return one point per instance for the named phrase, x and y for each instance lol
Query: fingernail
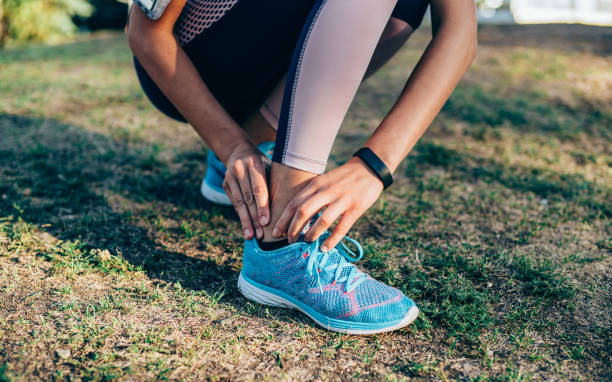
(275, 232)
(324, 248)
(247, 233)
(259, 232)
(263, 220)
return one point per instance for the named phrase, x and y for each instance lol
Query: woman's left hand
(345, 192)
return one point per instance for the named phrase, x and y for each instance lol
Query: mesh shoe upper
(287, 270)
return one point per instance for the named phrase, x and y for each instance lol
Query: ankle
(285, 182)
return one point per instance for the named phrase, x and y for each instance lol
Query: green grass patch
(541, 278)
(112, 266)
(542, 182)
(450, 301)
(528, 111)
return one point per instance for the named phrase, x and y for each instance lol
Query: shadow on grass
(58, 176)
(528, 111)
(571, 188)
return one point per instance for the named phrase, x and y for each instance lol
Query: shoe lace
(318, 261)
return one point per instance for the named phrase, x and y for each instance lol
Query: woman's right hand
(246, 186)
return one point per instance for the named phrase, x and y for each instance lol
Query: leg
(393, 38)
(328, 66)
(261, 126)
(221, 37)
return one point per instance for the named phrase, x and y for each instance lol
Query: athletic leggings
(244, 49)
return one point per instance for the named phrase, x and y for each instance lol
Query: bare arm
(155, 46)
(158, 51)
(444, 62)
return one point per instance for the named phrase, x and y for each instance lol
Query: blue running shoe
(327, 287)
(212, 184)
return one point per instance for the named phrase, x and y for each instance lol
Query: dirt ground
(113, 267)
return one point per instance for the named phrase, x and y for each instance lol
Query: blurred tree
(40, 20)
(109, 14)
(3, 24)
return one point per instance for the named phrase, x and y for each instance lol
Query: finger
(260, 192)
(303, 214)
(344, 225)
(249, 201)
(327, 218)
(235, 194)
(282, 224)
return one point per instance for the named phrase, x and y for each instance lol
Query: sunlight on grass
(498, 225)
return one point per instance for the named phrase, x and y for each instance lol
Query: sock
(272, 245)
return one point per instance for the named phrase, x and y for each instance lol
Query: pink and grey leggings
(299, 62)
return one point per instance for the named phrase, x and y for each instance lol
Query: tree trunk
(3, 25)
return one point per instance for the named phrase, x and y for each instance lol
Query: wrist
(376, 165)
(230, 147)
(364, 170)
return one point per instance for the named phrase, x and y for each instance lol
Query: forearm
(444, 62)
(174, 73)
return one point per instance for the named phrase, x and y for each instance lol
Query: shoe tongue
(334, 257)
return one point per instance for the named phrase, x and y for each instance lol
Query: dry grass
(113, 267)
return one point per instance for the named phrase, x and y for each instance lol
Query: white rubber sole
(264, 297)
(213, 195)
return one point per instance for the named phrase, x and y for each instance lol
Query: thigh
(241, 52)
(407, 16)
(393, 38)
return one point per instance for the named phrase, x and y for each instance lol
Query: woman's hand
(245, 184)
(345, 192)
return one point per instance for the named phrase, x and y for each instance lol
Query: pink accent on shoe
(357, 309)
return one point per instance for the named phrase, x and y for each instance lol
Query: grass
(113, 267)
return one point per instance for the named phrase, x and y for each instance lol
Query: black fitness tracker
(375, 164)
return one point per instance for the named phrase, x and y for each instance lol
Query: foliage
(40, 20)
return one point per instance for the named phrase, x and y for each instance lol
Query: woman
(246, 72)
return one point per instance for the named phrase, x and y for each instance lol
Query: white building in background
(596, 12)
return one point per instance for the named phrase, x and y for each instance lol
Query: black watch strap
(375, 164)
